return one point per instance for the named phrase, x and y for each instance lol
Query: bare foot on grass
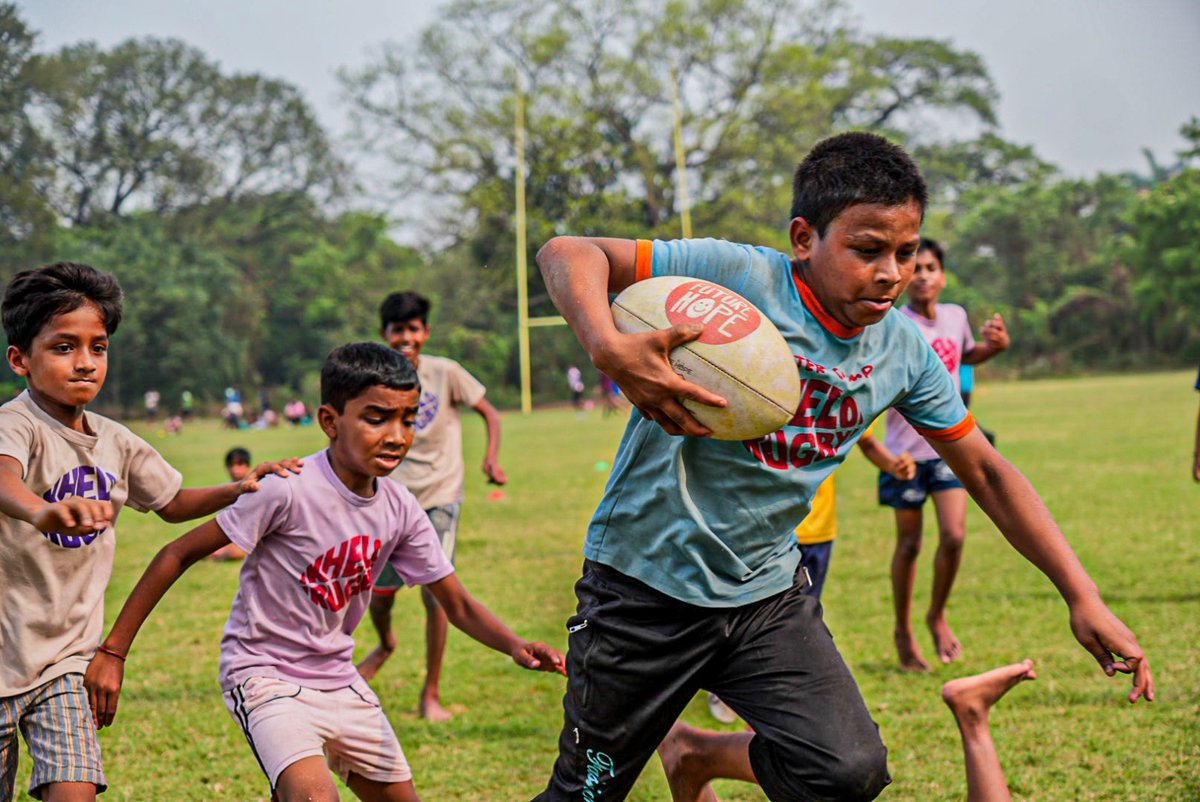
(970, 698)
(948, 647)
(684, 765)
(909, 654)
(374, 661)
(431, 709)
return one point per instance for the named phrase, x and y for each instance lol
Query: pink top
(314, 549)
(949, 334)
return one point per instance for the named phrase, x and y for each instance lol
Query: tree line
(250, 241)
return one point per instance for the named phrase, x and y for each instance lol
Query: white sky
(1087, 82)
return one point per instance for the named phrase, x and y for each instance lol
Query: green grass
(1110, 455)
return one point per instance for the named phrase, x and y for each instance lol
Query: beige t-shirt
(433, 470)
(52, 585)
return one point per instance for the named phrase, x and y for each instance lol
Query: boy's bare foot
(910, 655)
(970, 698)
(684, 765)
(431, 710)
(374, 661)
(228, 553)
(948, 647)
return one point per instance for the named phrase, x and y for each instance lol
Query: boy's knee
(951, 539)
(855, 773)
(858, 775)
(908, 548)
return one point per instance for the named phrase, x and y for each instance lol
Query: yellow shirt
(820, 524)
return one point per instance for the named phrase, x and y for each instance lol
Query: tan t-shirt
(52, 585)
(433, 470)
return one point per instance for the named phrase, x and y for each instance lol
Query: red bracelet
(112, 652)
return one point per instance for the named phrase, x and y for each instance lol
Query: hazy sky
(1087, 82)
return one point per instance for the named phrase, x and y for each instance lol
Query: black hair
(401, 307)
(934, 247)
(238, 454)
(853, 168)
(35, 297)
(351, 369)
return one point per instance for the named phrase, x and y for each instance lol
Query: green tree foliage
(154, 124)
(25, 218)
(1163, 249)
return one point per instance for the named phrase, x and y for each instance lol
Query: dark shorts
(814, 558)
(932, 475)
(636, 658)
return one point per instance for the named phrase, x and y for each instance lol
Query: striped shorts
(59, 731)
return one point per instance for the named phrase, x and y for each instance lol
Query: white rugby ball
(741, 356)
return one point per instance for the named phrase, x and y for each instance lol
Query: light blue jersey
(712, 522)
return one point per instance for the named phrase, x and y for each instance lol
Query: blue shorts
(59, 733)
(932, 475)
(444, 518)
(814, 558)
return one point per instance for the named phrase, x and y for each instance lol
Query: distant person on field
(152, 398)
(1196, 454)
(315, 543)
(296, 412)
(576, 386)
(187, 404)
(237, 464)
(434, 472)
(946, 328)
(608, 395)
(65, 475)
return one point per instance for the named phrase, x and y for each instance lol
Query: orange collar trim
(824, 318)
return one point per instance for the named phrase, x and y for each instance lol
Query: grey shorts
(444, 518)
(59, 733)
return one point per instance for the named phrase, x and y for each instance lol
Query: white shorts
(285, 722)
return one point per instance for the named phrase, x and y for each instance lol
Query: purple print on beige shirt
(85, 481)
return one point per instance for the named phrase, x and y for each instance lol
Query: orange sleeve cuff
(954, 432)
(644, 262)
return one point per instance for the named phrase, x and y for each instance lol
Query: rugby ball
(741, 356)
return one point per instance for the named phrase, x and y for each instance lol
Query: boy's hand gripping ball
(741, 356)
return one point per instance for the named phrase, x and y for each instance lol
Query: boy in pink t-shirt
(947, 330)
(314, 546)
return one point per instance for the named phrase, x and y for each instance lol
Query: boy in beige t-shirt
(433, 472)
(65, 474)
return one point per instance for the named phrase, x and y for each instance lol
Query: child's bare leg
(69, 792)
(376, 791)
(951, 506)
(306, 780)
(692, 758)
(904, 578)
(970, 699)
(436, 626)
(381, 616)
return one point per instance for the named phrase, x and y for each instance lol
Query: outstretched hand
(279, 468)
(74, 516)
(495, 474)
(994, 333)
(537, 656)
(102, 680)
(1113, 645)
(640, 365)
(904, 467)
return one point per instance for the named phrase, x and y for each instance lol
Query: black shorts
(636, 657)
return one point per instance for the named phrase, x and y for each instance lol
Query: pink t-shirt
(949, 334)
(314, 549)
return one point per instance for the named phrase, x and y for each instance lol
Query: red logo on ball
(726, 316)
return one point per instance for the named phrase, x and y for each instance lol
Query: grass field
(1110, 455)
